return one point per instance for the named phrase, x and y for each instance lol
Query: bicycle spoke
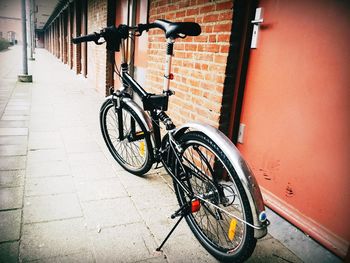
(128, 152)
(200, 164)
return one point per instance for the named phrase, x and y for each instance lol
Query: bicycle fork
(117, 102)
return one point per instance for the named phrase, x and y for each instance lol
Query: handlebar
(91, 37)
(113, 35)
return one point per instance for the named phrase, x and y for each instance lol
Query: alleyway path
(62, 197)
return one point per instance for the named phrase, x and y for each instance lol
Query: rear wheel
(132, 150)
(210, 176)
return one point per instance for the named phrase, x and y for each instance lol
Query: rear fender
(242, 169)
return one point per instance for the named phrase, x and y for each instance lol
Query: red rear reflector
(195, 206)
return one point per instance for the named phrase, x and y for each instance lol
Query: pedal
(157, 166)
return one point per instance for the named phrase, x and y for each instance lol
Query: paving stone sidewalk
(62, 197)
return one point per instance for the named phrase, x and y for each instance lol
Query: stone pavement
(63, 198)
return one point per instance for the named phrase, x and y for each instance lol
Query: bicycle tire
(202, 222)
(134, 156)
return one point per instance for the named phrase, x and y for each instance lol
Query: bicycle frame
(157, 105)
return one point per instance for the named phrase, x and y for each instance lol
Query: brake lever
(99, 43)
(141, 28)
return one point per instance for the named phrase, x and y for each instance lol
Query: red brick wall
(77, 32)
(70, 34)
(97, 19)
(72, 54)
(199, 63)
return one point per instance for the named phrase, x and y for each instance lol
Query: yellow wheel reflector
(232, 229)
(142, 148)
(139, 133)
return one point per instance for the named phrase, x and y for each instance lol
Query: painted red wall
(297, 115)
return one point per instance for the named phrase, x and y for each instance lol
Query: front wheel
(211, 178)
(126, 138)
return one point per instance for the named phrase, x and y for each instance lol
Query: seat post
(167, 71)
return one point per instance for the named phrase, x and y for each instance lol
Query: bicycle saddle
(174, 29)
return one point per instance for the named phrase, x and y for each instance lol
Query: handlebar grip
(91, 37)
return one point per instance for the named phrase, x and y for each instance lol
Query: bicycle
(216, 191)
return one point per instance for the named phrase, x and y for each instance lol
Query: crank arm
(136, 136)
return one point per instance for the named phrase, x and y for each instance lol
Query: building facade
(284, 102)
(10, 21)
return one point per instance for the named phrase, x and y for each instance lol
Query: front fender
(242, 169)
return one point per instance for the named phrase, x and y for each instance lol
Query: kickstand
(182, 212)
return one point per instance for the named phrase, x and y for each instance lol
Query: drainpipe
(24, 77)
(31, 26)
